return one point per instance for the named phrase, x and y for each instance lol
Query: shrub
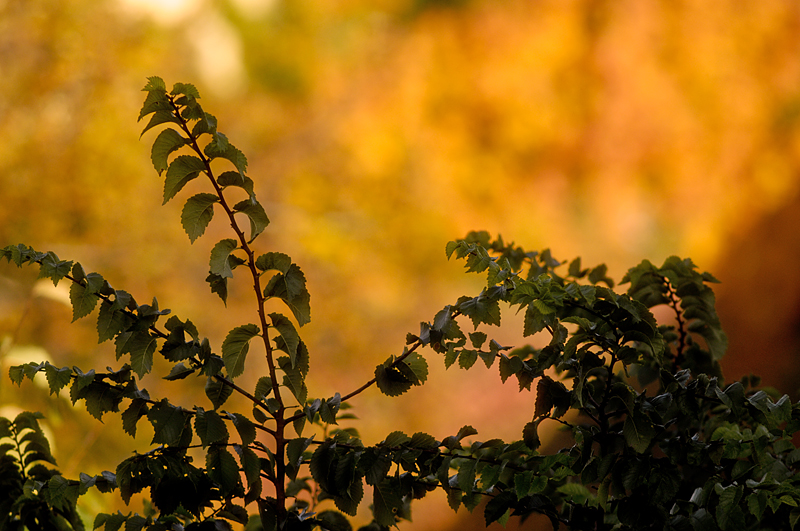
(658, 442)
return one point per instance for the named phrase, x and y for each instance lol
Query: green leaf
(274, 261)
(220, 147)
(263, 388)
(418, 366)
(81, 381)
(197, 214)
(219, 258)
(155, 84)
(251, 464)
(386, 501)
(467, 358)
(130, 417)
(255, 212)
(141, 346)
(222, 469)
(236, 346)
(57, 379)
(729, 513)
(182, 170)
(84, 296)
(291, 287)
(480, 309)
(166, 142)
(53, 268)
(390, 380)
(329, 408)
(178, 372)
(168, 423)
(234, 178)
(293, 379)
(210, 427)
(334, 521)
(163, 115)
(219, 285)
(111, 320)
(155, 101)
(246, 429)
(186, 89)
(217, 391)
(466, 476)
(291, 339)
(638, 432)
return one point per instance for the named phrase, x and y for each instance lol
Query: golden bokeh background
(378, 130)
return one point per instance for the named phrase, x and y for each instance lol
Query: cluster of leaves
(34, 495)
(658, 442)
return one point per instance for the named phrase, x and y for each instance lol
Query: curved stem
(280, 421)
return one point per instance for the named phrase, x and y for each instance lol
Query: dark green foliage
(658, 440)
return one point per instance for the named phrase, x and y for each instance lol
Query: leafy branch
(658, 441)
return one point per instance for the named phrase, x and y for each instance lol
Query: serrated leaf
(181, 170)
(391, 381)
(219, 258)
(466, 476)
(53, 268)
(480, 309)
(290, 336)
(246, 429)
(81, 381)
(210, 427)
(168, 423)
(197, 214)
(274, 261)
(178, 372)
(155, 83)
(220, 147)
(186, 89)
(130, 417)
(166, 142)
(234, 178)
(386, 501)
(256, 214)
(141, 346)
(219, 285)
(162, 116)
(236, 346)
(293, 379)
(418, 366)
(111, 321)
(291, 288)
(467, 358)
(217, 391)
(222, 469)
(83, 300)
(638, 432)
(263, 388)
(251, 464)
(155, 101)
(57, 379)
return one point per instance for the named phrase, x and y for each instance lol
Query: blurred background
(376, 131)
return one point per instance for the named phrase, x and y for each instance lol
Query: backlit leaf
(236, 346)
(255, 213)
(197, 214)
(217, 391)
(165, 143)
(181, 170)
(57, 379)
(210, 427)
(168, 422)
(222, 469)
(219, 263)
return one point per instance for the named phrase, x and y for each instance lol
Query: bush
(658, 442)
